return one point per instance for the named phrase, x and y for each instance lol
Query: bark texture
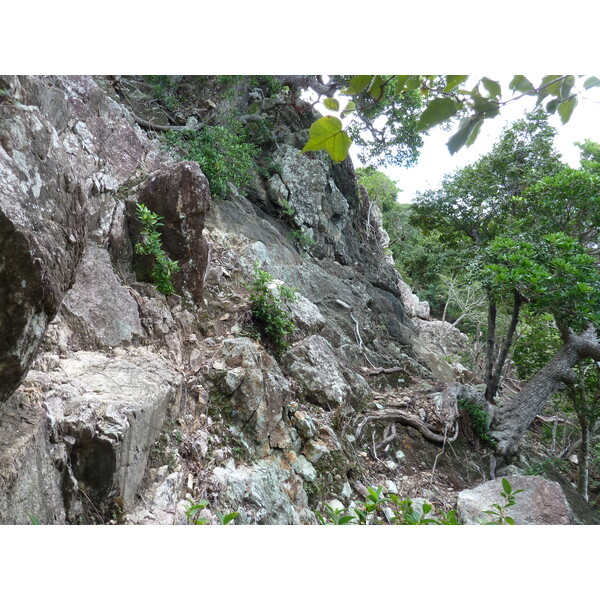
(514, 417)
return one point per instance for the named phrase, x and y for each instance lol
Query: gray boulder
(313, 364)
(541, 503)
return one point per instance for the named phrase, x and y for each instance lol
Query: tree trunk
(515, 415)
(584, 459)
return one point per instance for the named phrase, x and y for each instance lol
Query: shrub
(222, 153)
(266, 304)
(479, 419)
(151, 245)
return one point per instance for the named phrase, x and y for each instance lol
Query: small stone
(400, 456)
(391, 487)
(390, 464)
(225, 317)
(219, 365)
(346, 490)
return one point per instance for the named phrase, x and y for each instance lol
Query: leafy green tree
(445, 99)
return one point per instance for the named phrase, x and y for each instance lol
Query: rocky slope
(120, 404)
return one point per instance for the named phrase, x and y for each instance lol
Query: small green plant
(34, 520)
(266, 298)
(499, 510)
(479, 419)
(195, 507)
(371, 512)
(305, 240)
(223, 154)
(151, 245)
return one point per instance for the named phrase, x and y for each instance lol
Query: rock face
(180, 195)
(254, 395)
(42, 232)
(323, 381)
(542, 503)
(98, 420)
(98, 307)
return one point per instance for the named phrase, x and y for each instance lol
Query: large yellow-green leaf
(331, 104)
(327, 134)
(376, 89)
(437, 111)
(357, 84)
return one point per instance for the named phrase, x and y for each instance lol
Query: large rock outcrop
(43, 217)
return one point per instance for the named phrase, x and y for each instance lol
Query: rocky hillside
(121, 404)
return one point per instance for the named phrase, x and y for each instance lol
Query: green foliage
(151, 245)
(384, 127)
(537, 344)
(34, 520)
(195, 507)
(499, 510)
(163, 88)
(305, 240)
(266, 302)
(445, 99)
(327, 134)
(223, 153)
(479, 419)
(370, 511)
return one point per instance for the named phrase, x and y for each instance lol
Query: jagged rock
(323, 380)
(98, 309)
(42, 233)
(268, 492)
(31, 463)
(95, 419)
(255, 394)
(181, 197)
(542, 503)
(161, 500)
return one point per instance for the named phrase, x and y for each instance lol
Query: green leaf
(565, 109)
(401, 82)
(554, 88)
(474, 133)
(357, 84)
(376, 88)
(326, 134)
(34, 520)
(591, 82)
(346, 519)
(350, 108)
(552, 106)
(437, 111)
(493, 87)
(486, 107)
(453, 81)
(413, 82)
(509, 520)
(466, 134)
(506, 486)
(566, 86)
(331, 104)
(520, 83)
(228, 518)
